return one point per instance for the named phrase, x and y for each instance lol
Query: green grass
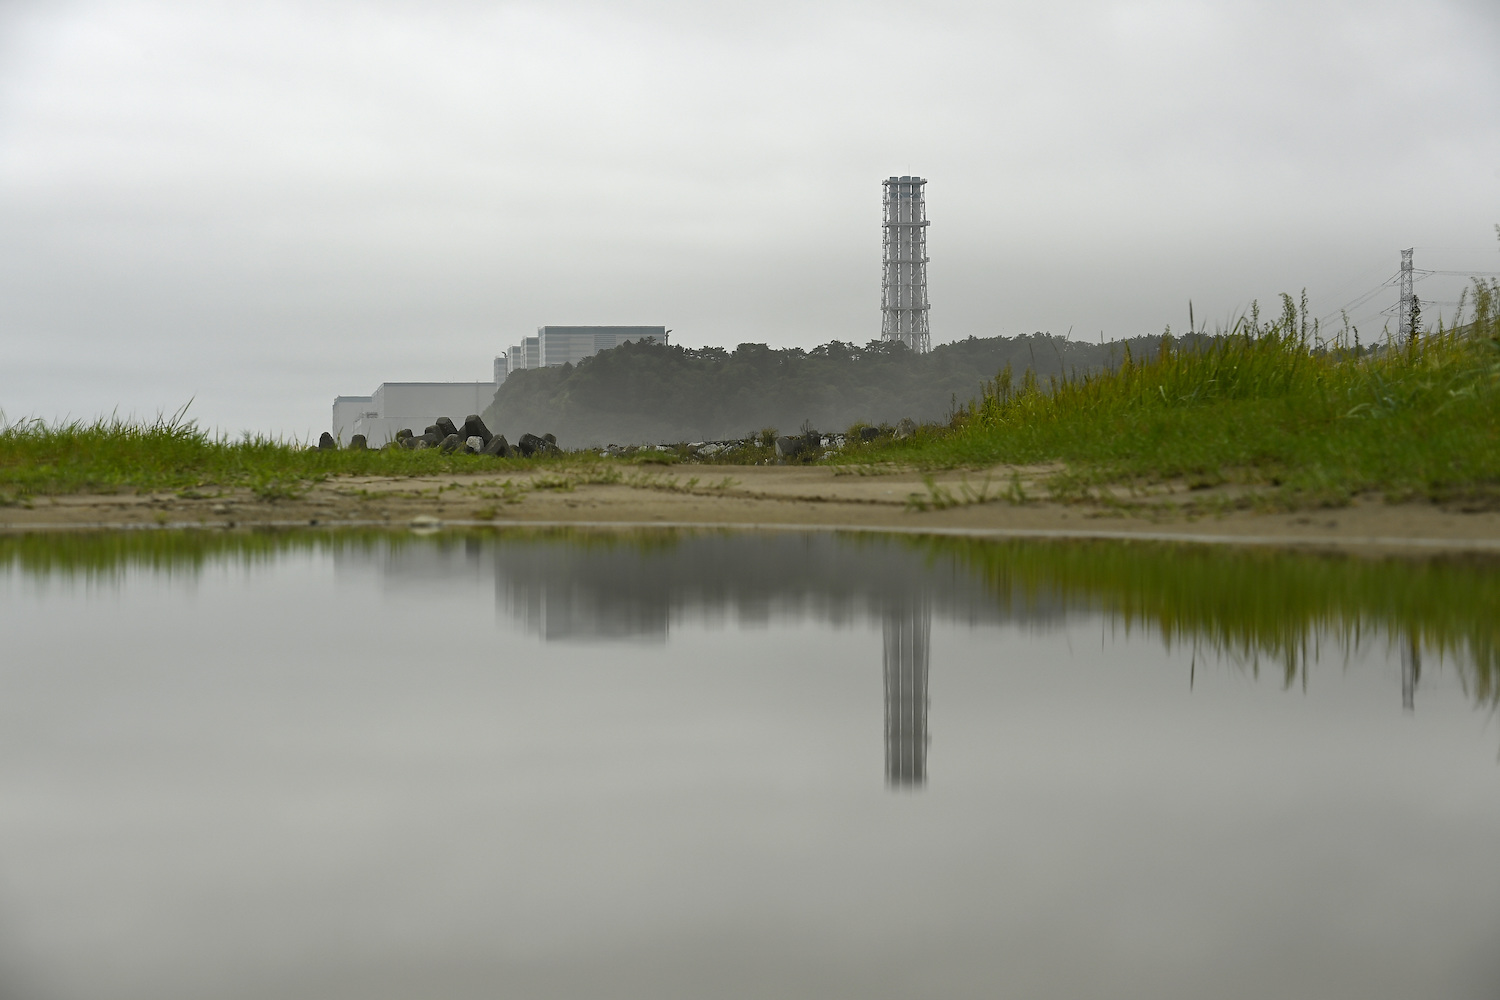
(172, 453)
(1262, 404)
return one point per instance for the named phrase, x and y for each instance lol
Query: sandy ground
(800, 496)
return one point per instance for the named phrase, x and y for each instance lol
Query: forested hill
(646, 392)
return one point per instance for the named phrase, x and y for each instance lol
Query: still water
(658, 765)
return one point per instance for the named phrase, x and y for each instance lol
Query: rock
(498, 447)
(474, 444)
(433, 435)
(869, 433)
(474, 427)
(530, 444)
(550, 438)
(445, 426)
(450, 444)
(710, 450)
(326, 442)
(906, 428)
(357, 443)
(790, 447)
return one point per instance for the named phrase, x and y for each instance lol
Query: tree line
(644, 392)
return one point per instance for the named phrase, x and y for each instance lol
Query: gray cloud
(260, 206)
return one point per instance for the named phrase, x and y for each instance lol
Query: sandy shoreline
(815, 497)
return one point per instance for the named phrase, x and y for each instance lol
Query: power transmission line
(1359, 300)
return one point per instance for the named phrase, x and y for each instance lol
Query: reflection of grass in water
(1255, 604)
(1250, 604)
(109, 553)
(98, 554)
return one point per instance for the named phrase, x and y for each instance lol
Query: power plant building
(348, 411)
(394, 405)
(554, 346)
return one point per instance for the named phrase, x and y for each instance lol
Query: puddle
(692, 764)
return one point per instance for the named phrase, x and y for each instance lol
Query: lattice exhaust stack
(903, 286)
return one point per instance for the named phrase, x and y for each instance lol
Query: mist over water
(659, 764)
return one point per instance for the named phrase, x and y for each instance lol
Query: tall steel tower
(903, 286)
(1403, 318)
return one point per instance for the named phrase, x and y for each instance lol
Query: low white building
(394, 405)
(417, 404)
(347, 410)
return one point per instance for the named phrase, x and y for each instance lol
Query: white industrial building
(347, 410)
(394, 405)
(563, 345)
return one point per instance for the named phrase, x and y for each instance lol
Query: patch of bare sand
(813, 496)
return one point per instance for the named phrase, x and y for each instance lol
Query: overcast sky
(259, 206)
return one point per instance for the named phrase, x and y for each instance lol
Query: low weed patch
(671, 484)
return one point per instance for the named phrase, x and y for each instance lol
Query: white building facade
(348, 410)
(395, 405)
(563, 345)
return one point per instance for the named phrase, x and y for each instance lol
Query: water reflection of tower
(908, 641)
(1411, 673)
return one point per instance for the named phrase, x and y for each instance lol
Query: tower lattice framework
(903, 285)
(1403, 318)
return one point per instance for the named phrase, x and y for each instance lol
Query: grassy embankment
(1316, 421)
(173, 454)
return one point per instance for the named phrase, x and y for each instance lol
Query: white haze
(258, 206)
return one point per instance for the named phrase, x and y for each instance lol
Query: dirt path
(810, 496)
